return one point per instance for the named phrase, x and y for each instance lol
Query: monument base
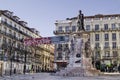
(84, 70)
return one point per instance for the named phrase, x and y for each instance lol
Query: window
(96, 27)
(105, 26)
(106, 36)
(88, 19)
(11, 23)
(113, 44)
(113, 26)
(19, 28)
(5, 20)
(4, 40)
(96, 18)
(115, 54)
(9, 41)
(15, 25)
(14, 34)
(19, 36)
(59, 45)
(66, 45)
(5, 29)
(106, 45)
(97, 45)
(113, 36)
(73, 28)
(105, 18)
(107, 54)
(59, 56)
(119, 25)
(87, 27)
(67, 29)
(60, 29)
(26, 32)
(113, 17)
(97, 54)
(61, 38)
(23, 30)
(96, 37)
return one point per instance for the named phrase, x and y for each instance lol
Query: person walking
(119, 68)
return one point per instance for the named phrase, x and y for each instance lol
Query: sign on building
(46, 40)
(59, 39)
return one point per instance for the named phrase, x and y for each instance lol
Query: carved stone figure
(80, 23)
(87, 49)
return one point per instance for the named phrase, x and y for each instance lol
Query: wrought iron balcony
(109, 57)
(11, 27)
(63, 32)
(59, 58)
(107, 48)
(115, 48)
(67, 58)
(58, 32)
(97, 48)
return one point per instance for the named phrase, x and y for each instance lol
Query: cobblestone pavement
(47, 76)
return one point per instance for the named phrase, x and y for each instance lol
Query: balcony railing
(102, 29)
(10, 35)
(67, 58)
(59, 58)
(11, 27)
(115, 48)
(107, 48)
(58, 32)
(109, 57)
(63, 32)
(98, 48)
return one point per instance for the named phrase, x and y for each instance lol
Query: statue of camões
(80, 23)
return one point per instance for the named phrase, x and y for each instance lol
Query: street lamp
(1, 53)
(93, 55)
(24, 71)
(11, 56)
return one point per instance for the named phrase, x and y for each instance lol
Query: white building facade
(104, 33)
(14, 55)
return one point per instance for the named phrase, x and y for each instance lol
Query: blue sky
(41, 14)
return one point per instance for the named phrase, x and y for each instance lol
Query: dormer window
(60, 29)
(67, 28)
(5, 20)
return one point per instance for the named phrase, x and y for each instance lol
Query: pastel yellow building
(15, 57)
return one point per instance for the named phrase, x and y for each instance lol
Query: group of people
(109, 68)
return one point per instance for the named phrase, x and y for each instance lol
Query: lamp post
(93, 55)
(24, 71)
(11, 56)
(2, 57)
(1, 53)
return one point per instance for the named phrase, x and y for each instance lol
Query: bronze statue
(80, 23)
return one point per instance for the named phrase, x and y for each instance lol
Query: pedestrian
(119, 68)
(14, 70)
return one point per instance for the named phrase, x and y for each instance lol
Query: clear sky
(41, 14)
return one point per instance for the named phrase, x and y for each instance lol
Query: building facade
(15, 57)
(104, 33)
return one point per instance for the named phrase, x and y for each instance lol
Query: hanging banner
(46, 40)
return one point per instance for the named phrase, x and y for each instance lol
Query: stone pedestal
(85, 69)
(80, 63)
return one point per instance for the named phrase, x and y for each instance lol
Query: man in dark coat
(119, 68)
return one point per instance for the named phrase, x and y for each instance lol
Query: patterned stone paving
(47, 76)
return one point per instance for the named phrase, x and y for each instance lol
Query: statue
(87, 49)
(80, 23)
